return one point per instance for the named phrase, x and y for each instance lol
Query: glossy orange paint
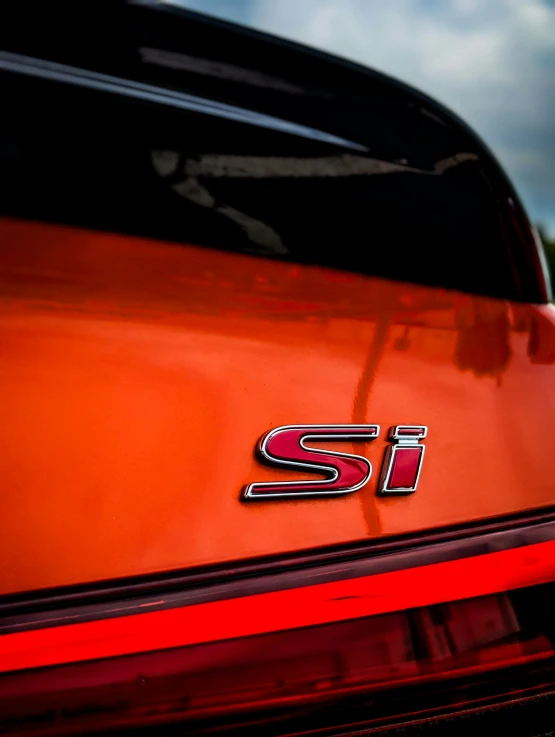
(136, 377)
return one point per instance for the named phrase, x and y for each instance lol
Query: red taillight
(295, 649)
(280, 675)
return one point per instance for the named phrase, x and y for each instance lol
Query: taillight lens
(291, 675)
(304, 651)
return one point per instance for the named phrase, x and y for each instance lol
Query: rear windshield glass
(102, 160)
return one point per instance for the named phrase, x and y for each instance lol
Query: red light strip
(281, 610)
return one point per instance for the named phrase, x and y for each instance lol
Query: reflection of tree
(541, 340)
(484, 344)
(484, 335)
(549, 248)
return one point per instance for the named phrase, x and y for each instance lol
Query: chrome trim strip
(66, 74)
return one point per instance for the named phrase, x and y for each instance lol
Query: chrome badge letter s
(285, 447)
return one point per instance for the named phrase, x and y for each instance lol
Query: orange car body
(208, 235)
(137, 377)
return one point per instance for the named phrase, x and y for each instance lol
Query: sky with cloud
(491, 61)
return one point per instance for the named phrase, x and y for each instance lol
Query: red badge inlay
(403, 460)
(285, 446)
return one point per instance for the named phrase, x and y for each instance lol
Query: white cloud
(491, 61)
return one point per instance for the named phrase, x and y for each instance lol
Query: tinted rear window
(100, 160)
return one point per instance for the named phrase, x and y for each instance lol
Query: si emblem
(296, 447)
